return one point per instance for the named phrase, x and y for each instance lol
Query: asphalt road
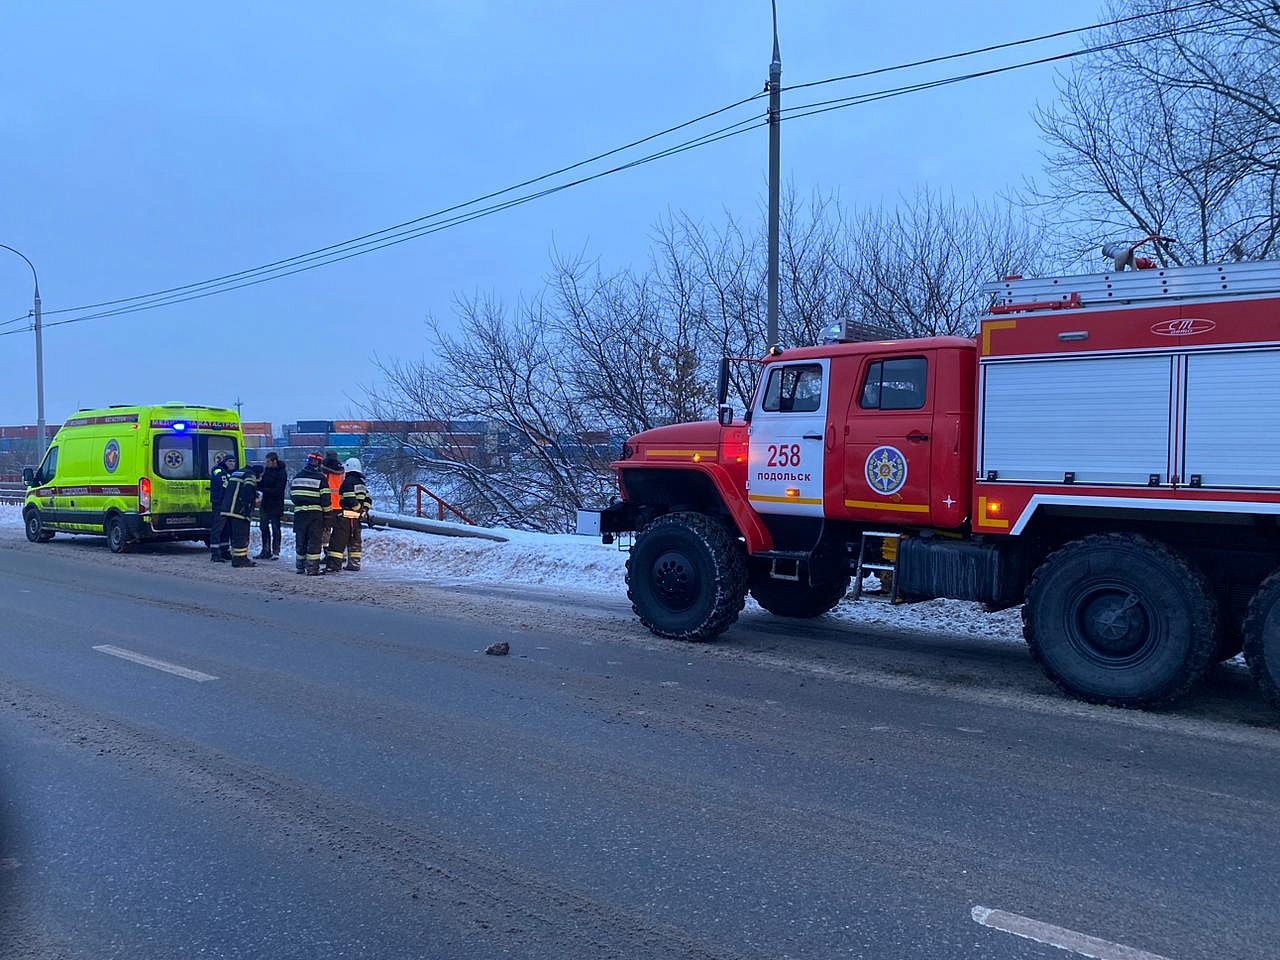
(358, 779)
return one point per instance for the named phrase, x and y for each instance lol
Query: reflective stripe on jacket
(240, 495)
(307, 490)
(355, 495)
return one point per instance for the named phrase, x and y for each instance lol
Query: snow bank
(11, 515)
(584, 565)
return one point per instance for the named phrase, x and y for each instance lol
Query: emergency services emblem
(111, 456)
(886, 470)
(173, 459)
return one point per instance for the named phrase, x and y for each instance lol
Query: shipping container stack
(22, 438)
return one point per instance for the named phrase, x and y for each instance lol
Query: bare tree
(507, 372)
(1172, 132)
(920, 268)
(393, 463)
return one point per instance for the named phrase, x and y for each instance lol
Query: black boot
(226, 553)
(242, 562)
(263, 554)
(216, 557)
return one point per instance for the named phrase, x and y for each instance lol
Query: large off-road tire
(687, 576)
(36, 532)
(1119, 619)
(117, 536)
(790, 598)
(1262, 637)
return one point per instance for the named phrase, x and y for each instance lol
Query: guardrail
(443, 507)
(12, 492)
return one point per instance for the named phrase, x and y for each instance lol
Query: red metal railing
(443, 507)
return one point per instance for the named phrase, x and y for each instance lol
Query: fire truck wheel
(117, 539)
(36, 532)
(1262, 637)
(687, 576)
(787, 598)
(1121, 620)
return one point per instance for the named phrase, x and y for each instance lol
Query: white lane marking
(1070, 940)
(155, 664)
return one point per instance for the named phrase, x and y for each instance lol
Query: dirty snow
(584, 565)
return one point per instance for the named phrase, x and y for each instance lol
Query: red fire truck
(1104, 451)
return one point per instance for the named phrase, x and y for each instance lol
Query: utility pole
(238, 405)
(775, 165)
(42, 441)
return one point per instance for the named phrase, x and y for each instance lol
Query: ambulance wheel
(1262, 637)
(1121, 620)
(789, 598)
(687, 576)
(36, 532)
(117, 538)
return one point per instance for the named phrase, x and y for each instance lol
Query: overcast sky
(147, 145)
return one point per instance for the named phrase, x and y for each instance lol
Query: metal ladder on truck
(1226, 281)
(885, 553)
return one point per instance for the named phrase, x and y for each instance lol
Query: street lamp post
(775, 124)
(42, 441)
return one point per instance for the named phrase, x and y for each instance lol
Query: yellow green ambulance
(131, 474)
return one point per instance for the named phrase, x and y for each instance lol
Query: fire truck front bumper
(618, 517)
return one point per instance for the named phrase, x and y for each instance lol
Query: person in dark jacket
(275, 478)
(220, 533)
(309, 492)
(237, 509)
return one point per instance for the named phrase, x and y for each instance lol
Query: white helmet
(353, 466)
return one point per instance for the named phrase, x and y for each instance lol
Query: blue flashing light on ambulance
(131, 474)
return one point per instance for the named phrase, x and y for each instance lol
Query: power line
(226, 279)
(823, 106)
(1057, 34)
(378, 240)
(742, 126)
(428, 216)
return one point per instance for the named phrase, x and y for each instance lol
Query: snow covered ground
(584, 565)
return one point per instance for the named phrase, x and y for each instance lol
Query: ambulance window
(215, 448)
(898, 384)
(48, 469)
(175, 457)
(794, 389)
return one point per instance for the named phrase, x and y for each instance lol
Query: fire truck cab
(1102, 451)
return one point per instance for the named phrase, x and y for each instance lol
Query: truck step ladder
(786, 564)
(886, 561)
(1225, 281)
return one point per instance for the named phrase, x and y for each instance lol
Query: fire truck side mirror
(722, 385)
(725, 415)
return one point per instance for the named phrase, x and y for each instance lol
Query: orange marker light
(793, 491)
(994, 507)
(697, 458)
